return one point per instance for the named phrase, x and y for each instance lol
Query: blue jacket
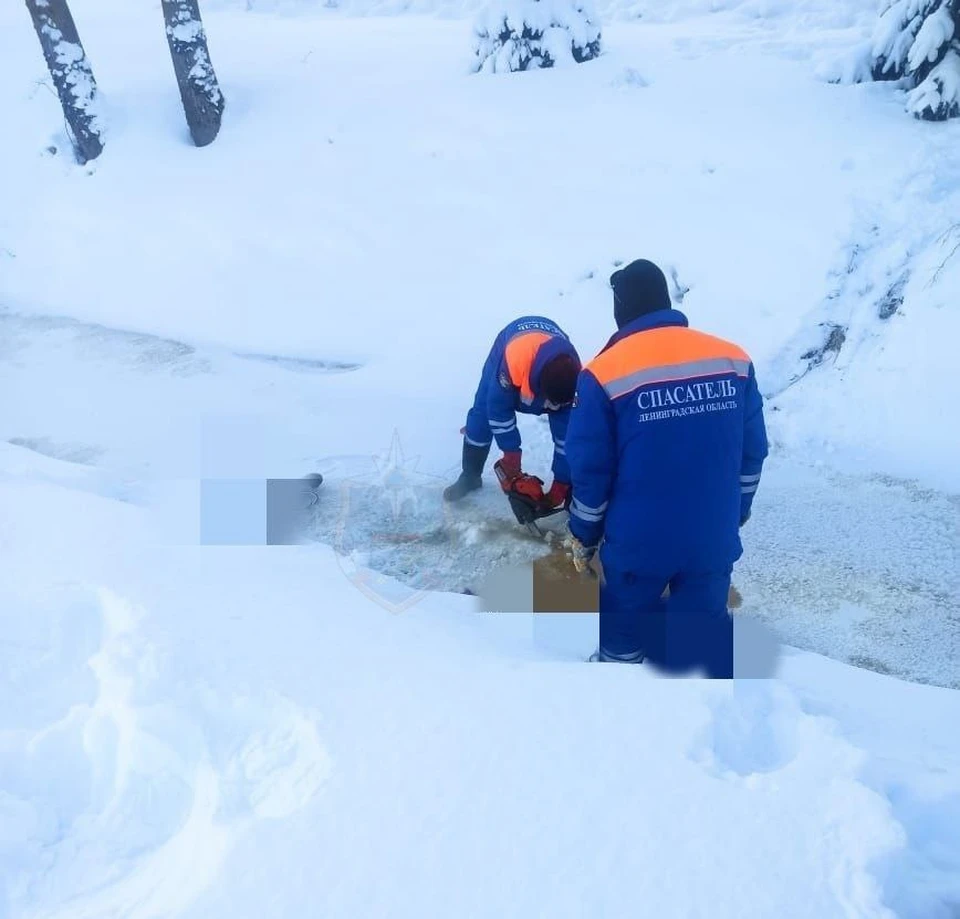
(510, 383)
(666, 444)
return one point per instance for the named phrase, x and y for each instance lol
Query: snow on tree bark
(71, 73)
(512, 35)
(919, 41)
(203, 102)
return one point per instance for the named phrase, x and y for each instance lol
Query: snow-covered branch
(512, 35)
(918, 41)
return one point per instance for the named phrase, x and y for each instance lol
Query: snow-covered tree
(512, 35)
(202, 100)
(71, 73)
(919, 41)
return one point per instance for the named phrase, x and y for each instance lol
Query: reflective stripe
(591, 510)
(476, 443)
(688, 370)
(559, 450)
(749, 479)
(588, 514)
(498, 431)
(502, 424)
(748, 489)
(560, 443)
(666, 346)
(587, 518)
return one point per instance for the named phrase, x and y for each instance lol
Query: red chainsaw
(527, 499)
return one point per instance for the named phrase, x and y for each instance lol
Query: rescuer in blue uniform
(532, 368)
(666, 445)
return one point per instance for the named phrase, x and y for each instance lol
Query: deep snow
(236, 731)
(197, 731)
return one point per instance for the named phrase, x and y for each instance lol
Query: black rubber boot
(470, 479)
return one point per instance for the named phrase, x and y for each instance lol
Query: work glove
(508, 471)
(558, 496)
(510, 464)
(582, 555)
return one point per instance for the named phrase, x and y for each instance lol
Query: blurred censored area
(254, 512)
(278, 512)
(676, 644)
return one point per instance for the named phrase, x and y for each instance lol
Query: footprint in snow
(153, 780)
(753, 731)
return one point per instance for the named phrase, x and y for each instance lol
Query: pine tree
(71, 73)
(203, 102)
(513, 35)
(919, 41)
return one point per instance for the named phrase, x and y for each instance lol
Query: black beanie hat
(638, 289)
(558, 379)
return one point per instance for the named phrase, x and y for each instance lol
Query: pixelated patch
(505, 381)
(576, 399)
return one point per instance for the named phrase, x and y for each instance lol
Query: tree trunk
(202, 100)
(71, 74)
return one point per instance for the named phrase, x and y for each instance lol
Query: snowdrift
(229, 732)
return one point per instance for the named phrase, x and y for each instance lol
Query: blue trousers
(691, 629)
(477, 428)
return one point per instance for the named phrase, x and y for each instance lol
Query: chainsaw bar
(528, 513)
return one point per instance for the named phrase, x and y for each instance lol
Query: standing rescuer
(532, 368)
(666, 444)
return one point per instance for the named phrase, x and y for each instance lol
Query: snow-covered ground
(213, 731)
(203, 731)
(866, 569)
